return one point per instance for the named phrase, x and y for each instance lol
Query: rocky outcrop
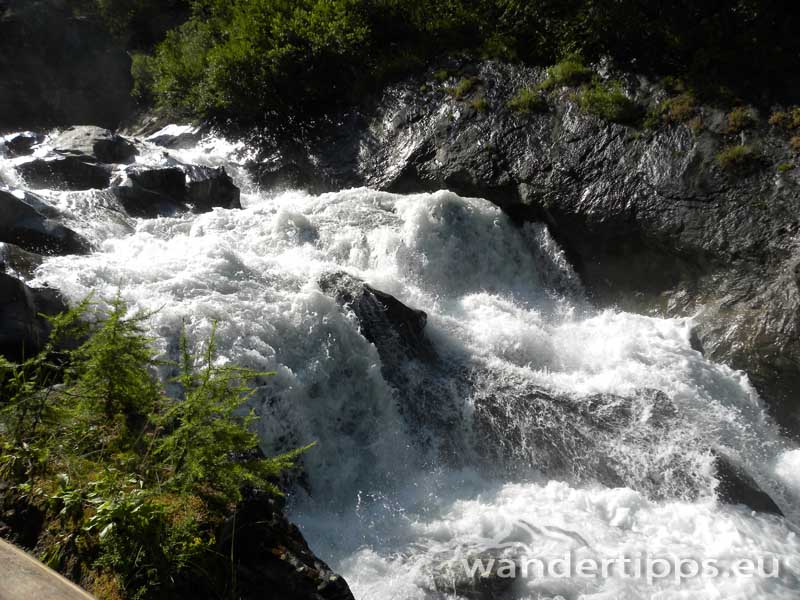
(23, 331)
(31, 224)
(58, 69)
(649, 218)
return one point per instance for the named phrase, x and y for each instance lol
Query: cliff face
(58, 69)
(650, 218)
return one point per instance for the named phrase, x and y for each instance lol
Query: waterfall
(531, 420)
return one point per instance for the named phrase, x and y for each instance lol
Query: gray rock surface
(94, 144)
(23, 332)
(32, 225)
(65, 172)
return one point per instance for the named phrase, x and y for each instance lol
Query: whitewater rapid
(384, 508)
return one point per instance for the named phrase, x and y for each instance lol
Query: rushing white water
(565, 393)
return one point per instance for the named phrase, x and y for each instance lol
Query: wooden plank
(22, 577)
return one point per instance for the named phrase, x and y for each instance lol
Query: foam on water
(503, 304)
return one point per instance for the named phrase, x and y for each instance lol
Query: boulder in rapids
(31, 224)
(385, 321)
(736, 486)
(209, 187)
(16, 261)
(148, 192)
(65, 172)
(152, 192)
(95, 144)
(23, 331)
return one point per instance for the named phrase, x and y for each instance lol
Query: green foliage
(480, 104)
(464, 87)
(441, 75)
(784, 167)
(568, 72)
(610, 103)
(794, 144)
(739, 159)
(133, 483)
(251, 60)
(528, 100)
(740, 118)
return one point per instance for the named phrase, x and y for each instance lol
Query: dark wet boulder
(23, 331)
(65, 172)
(95, 144)
(152, 192)
(148, 192)
(736, 486)
(271, 559)
(392, 326)
(209, 187)
(31, 224)
(169, 181)
(16, 261)
(21, 144)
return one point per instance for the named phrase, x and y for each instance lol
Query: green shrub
(786, 119)
(740, 118)
(784, 167)
(464, 87)
(528, 100)
(570, 71)
(132, 483)
(609, 103)
(679, 109)
(740, 159)
(480, 104)
(441, 75)
(267, 59)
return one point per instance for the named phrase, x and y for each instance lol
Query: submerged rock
(95, 144)
(31, 224)
(67, 172)
(23, 331)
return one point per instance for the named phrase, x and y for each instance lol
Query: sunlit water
(391, 502)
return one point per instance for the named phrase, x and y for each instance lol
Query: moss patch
(528, 100)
